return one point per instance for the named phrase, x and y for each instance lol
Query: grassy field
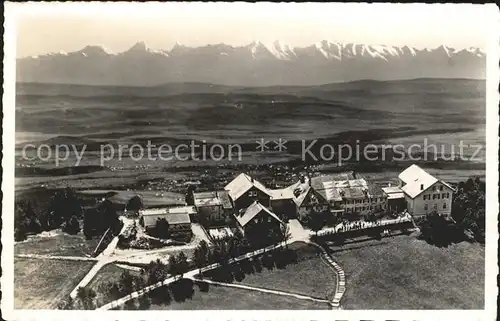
(58, 244)
(41, 284)
(216, 297)
(309, 276)
(149, 198)
(406, 273)
(223, 298)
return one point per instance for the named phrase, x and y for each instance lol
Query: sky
(53, 27)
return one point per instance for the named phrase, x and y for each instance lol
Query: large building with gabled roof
(425, 193)
(244, 190)
(307, 200)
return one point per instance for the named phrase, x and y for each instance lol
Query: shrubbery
(63, 209)
(468, 208)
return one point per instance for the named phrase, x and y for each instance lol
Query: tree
(285, 234)
(19, 234)
(200, 256)
(156, 271)
(144, 302)
(223, 253)
(172, 265)
(199, 259)
(25, 220)
(67, 304)
(85, 297)
(203, 247)
(89, 222)
(126, 283)
(436, 230)
(468, 208)
(182, 264)
(135, 204)
(72, 226)
(234, 248)
(316, 222)
(110, 290)
(189, 195)
(108, 217)
(63, 205)
(161, 228)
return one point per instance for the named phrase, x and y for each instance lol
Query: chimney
(251, 179)
(302, 179)
(421, 187)
(389, 185)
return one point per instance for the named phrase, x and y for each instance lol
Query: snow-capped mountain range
(256, 64)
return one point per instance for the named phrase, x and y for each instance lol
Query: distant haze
(54, 27)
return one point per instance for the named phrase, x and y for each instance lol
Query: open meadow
(403, 272)
(42, 283)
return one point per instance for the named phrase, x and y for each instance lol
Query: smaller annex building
(178, 218)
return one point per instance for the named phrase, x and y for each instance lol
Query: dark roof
(253, 210)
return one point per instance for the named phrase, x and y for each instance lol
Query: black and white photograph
(311, 160)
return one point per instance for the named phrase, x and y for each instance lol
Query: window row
(436, 196)
(426, 206)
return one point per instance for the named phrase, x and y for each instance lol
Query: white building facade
(425, 193)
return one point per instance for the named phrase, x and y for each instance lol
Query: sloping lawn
(223, 298)
(41, 284)
(58, 243)
(406, 273)
(309, 276)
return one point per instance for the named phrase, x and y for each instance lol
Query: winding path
(102, 259)
(298, 234)
(189, 274)
(339, 273)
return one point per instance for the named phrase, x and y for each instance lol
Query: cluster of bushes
(182, 236)
(162, 230)
(33, 215)
(181, 289)
(146, 243)
(97, 220)
(469, 206)
(278, 259)
(154, 272)
(127, 236)
(435, 229)
(317, 221)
